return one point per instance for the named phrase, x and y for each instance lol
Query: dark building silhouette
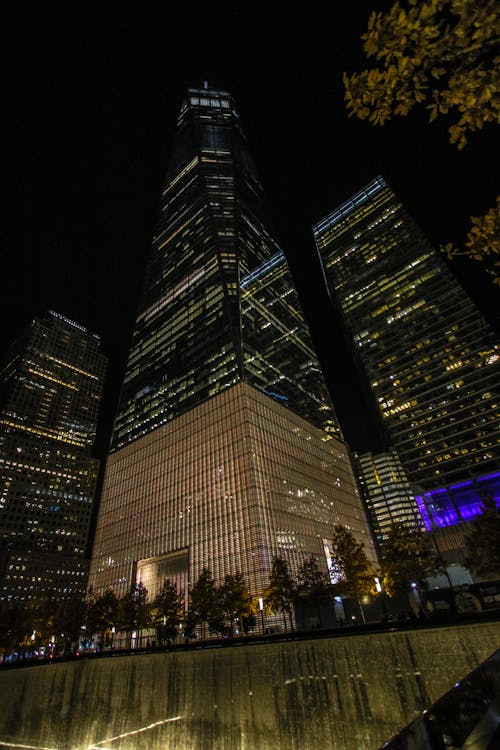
(431, 360)
(226, 449)
(50, 392)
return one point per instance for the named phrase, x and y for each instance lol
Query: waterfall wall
(340, 692)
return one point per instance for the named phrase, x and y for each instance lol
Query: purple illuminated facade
(431, 362)
(459, 502)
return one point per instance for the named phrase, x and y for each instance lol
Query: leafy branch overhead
(483, 242)
(444, 54)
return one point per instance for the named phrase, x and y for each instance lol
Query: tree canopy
(483, 242)
(134, 609)
(167, 611)
(235, 600)
(15, 625)
(444, 54)
(354, 573)
(482, 545)
(406, 558)
(203, 601)
(313, 586)
(280, 593)
(101, 613)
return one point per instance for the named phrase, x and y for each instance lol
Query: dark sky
(87, 129)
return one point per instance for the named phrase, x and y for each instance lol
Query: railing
(254, 639)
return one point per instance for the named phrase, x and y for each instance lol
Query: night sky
(87, 131)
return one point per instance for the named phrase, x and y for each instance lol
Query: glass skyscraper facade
(386, 491)
(226, 448)
(218, 304)
(50, 392)
(432, 361)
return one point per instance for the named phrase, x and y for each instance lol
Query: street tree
(134, 611)
(101, 614)
(313, 585)
(203, 601)
(235, 601)
(69, 618)
(353, 572)
(217, 613)
(167, 611)
(482, 543)
(406, 558)
(42, 613)
(280, 594)
(16, 626)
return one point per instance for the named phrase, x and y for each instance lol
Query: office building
(50, 391)
(226, 449)
(386, 491)
(431, 360)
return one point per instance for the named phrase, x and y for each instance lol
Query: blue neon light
(275, 260)
(275, 395)
(375, 186)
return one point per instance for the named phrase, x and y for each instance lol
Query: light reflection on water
(100, 745)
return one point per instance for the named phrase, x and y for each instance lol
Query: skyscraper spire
(218, 304)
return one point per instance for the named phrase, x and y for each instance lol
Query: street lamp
(379, 589)
(261, 607)
(82, 642)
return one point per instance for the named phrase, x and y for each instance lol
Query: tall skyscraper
(50, 391)
(386, 491)
(431, 360)
(226, 449)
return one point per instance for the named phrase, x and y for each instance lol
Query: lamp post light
(380, 590)
(261, 607)
(82, 644)
(417, 593)
(162, 632)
